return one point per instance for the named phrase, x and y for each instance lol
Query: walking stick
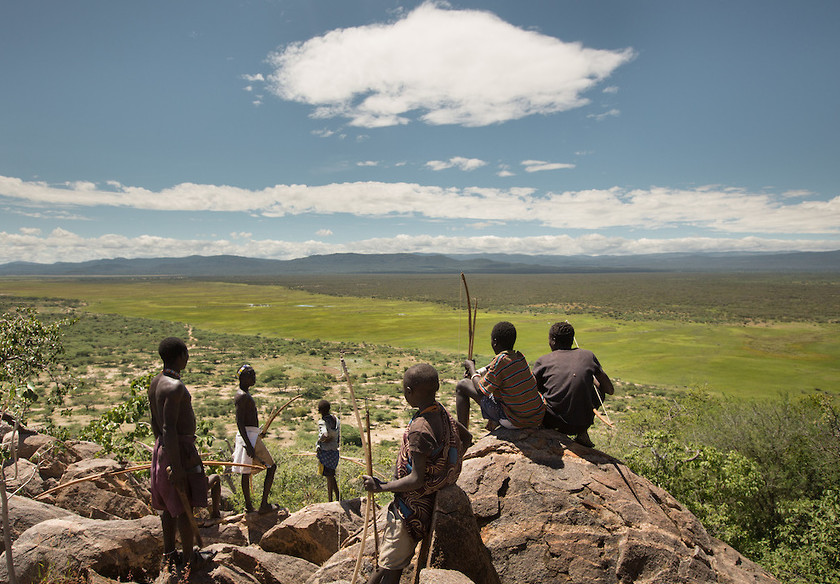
(369, 464)
(369, 460)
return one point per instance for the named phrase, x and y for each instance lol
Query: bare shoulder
(243, 398)
(167, 387)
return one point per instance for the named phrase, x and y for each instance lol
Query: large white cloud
(715, 209)
(463, 67)
(64, 245)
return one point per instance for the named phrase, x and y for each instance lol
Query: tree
(29, 352)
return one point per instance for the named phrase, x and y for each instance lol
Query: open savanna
(749, 336)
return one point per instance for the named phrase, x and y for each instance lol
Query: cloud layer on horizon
(713, 208)
(61, 245)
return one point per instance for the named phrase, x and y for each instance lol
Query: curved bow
(472, 311)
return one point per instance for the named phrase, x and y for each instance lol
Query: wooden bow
(472, 311)
(606, 417)
(273, 415)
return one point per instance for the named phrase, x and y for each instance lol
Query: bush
(808, 549)
(762, 476)
(350, 435)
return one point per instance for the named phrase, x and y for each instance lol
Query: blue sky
(282, 129)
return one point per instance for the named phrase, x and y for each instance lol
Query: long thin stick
(185, 503)
(373, 497)
(369, 506)
(353, 460)
(139, 467)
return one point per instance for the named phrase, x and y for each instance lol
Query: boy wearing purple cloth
(176, 465)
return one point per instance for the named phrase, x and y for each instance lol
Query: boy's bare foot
(268, 508)
(584, 440)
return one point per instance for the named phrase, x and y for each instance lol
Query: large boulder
(119, 549)
(438, 576)
(551, 510)
(315, 532)
(106, 497)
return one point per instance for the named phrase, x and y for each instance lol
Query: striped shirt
(509, 379)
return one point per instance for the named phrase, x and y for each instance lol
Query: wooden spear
(369, 506)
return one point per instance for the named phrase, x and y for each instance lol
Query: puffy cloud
(324, 232)
(465, 67)
(63, 245)
(717, 209)
(465, 164)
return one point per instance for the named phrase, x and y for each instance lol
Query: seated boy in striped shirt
(505, 390)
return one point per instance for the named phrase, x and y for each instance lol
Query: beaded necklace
(171, 373)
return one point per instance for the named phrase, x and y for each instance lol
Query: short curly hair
(562, 333)
(171, 348)
(324, 407)
(504, 333)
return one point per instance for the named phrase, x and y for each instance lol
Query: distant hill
(225, 265)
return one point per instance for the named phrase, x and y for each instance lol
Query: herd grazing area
(658, 336)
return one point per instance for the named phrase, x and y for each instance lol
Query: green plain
(744, 359)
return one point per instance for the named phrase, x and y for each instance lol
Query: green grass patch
(745, 359)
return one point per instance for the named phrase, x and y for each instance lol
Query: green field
(751, 355)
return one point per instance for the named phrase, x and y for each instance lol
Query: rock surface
(551, 510)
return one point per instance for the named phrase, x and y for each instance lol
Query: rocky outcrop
(551, 510)
(530, 506)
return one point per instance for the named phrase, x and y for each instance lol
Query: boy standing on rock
(178, 481)
(429, 459)
(505, 390)
(249, 445)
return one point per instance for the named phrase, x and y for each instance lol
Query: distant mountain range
(350, 263)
